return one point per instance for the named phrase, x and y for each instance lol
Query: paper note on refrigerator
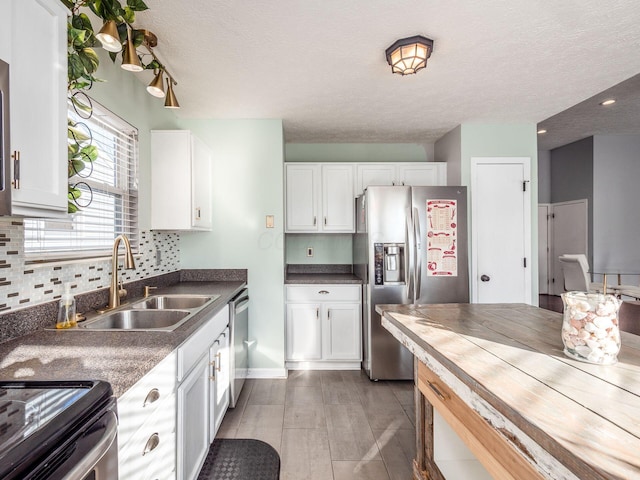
(442, 232)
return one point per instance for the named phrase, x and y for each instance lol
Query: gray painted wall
(572, 179)
(544, 176)
(449, 149)
(616, 197)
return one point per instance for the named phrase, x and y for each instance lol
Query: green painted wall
(328, 248)
(358, 152)
(247, 185)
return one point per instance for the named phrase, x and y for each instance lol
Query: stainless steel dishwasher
(239, 342)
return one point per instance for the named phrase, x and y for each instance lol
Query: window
(112, 187)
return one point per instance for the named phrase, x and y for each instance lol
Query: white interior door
(568, 235)
(544, 215)
(501, 230)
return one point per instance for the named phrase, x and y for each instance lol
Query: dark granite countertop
(315, 274)
(119, 357)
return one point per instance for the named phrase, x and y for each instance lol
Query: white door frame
(526, 163)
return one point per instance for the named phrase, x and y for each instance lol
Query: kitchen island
(498, 376)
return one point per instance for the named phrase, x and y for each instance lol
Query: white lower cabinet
(304, 332)
(193, 415)
(218, 382)
(200, 406)
(323, 326)
(168, 419)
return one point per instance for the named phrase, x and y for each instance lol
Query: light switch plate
(270, 221)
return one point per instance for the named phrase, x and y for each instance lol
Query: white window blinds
(110, 184)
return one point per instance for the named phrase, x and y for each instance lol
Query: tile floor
(329, 425)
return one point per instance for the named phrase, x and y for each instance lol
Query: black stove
(47, 427)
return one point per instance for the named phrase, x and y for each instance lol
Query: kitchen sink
(174, 302)
(138, 320)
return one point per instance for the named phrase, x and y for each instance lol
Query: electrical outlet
(270, 221)
(309, 251)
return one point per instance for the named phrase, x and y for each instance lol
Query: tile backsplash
(23, 285)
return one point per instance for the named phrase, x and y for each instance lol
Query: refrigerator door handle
(418, 259)
(408, 257)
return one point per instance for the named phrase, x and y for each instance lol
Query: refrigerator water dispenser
(394, 264)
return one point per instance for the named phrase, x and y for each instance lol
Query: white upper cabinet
(410, 174)
(38, 106)
(374, 174)
(302, 197)
(319, 197)
(338, 200)
(180, 181)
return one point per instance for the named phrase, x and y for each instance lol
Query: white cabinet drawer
(323, 293)
(198, 343)
(152, 448)
(138, 403)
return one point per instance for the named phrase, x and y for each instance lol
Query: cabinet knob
(152, 443)
(152, 396)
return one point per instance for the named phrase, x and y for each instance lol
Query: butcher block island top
(564, 419)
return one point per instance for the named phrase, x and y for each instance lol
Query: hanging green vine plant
(82, 64)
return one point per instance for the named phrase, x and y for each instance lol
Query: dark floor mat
(240, 459)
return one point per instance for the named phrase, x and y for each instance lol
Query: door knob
(485, 278)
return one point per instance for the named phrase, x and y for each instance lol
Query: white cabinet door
(180, 181)
(302, 197)
(341, 331)
(201, 185)
(39, 108)
(420, 174)
(374, 174)
(338, 200)
(193, 420)
(304, 337)
(219, 382)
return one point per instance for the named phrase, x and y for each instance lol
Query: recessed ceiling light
(541, 131)
(610, 101)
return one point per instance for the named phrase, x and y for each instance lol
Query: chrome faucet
(114, 290)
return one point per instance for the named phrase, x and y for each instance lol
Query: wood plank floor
(329, 425)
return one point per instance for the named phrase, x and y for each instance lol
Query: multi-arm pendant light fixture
(110, 40)
(409, 55)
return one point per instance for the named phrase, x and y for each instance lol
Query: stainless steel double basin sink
(154, 313)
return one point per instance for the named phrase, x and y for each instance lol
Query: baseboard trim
(323, 365)
(267, 373)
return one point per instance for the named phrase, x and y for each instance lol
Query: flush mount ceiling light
(109, 37)
(409, 55)
(609, 101)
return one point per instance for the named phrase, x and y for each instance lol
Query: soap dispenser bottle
(67, 309)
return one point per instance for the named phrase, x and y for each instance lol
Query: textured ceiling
(320, 65)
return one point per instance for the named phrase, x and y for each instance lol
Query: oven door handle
(84, 466)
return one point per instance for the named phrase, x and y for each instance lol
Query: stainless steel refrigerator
(410, 247)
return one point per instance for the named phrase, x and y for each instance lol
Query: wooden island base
(501, 458)
(495, 383)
